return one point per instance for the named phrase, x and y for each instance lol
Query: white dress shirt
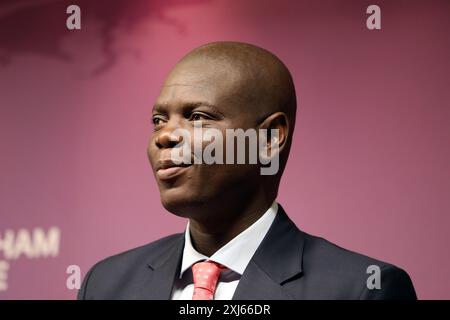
(235, 255)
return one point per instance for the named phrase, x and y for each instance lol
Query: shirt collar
(237, 253)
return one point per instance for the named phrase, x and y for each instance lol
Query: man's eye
(157, 121)
(199, 116)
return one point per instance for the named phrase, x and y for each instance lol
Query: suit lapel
(162, 272)
(255, 284)
(278, 260)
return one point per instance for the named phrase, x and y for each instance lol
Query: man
(238, 243)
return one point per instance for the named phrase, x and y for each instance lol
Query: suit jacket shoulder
(347, 273)
(116, 276)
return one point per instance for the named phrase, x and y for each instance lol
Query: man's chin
(181, 205)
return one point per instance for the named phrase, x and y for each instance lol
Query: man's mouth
(167, 169)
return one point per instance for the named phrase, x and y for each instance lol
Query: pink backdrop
(369, 167)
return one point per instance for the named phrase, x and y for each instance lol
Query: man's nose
(167, 139)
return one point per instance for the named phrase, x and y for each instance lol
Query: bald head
(256, 77)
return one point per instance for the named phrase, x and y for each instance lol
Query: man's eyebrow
(193, 105)
(163, 107)
(160, 107)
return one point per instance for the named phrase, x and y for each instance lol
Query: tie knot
(206, 275)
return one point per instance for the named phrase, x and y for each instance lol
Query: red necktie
(206, 275)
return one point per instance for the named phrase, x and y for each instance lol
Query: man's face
(212, 93)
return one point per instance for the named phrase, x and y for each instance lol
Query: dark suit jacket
(289, 264)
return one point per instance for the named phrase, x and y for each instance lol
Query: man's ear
(278, 121)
